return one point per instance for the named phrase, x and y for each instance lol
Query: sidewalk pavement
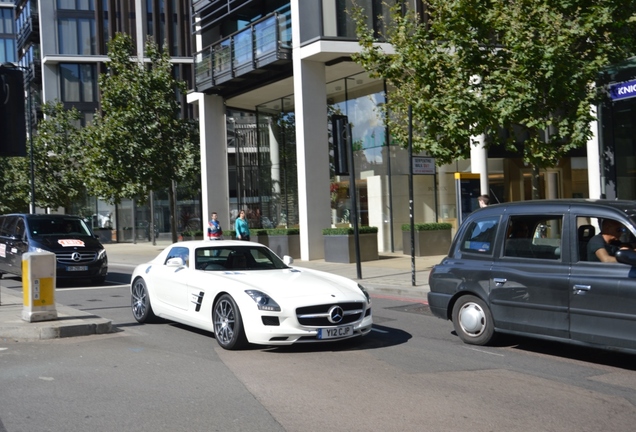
(390, 276)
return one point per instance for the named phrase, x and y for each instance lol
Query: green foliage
(259, 232)
(432, 226)
(15, 185)
(522, 71)
(138, 143)
(349, 230)
(58, 162)
(58, 157)
(282, 231)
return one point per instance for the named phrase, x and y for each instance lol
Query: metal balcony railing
(264, 43)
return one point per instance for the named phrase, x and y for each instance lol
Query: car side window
(479, 237)
(588, 229)
(534, 236)
(179, 252)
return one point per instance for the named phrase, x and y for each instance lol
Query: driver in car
(604, 245)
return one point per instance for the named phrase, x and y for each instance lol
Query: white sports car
(244, 293)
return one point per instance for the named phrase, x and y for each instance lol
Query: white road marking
(95, 288)
(485, 352)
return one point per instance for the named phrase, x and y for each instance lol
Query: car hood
(66, 243)
(297, 283)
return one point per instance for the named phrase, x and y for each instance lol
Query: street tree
(14, 185)
(518, 71)
(139, 143)
(57, 167)
(58, 157)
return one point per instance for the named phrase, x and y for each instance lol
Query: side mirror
(626, 256)
(288, 260)
(175, 262)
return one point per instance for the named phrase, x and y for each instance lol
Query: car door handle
(581, 289)
(499, 281)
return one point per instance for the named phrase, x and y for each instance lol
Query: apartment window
(6, 21)
(7, 50)
(76, 4)
(78, 82)
(77, 35)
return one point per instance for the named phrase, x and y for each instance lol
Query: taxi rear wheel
(473, 321)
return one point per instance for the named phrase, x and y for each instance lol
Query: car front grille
(318, 316)
(66, 258)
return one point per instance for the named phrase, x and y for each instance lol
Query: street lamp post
(30, 126)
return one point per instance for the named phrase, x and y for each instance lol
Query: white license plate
(336, 332)
(76, 268)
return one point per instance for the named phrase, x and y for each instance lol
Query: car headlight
(101, 254)
(36, 249)
(366, 294)
(263, 301)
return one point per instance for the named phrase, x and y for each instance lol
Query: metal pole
(411, 210)
(354, 200)
(31, 151)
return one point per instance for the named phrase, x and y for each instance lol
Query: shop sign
(624, 90)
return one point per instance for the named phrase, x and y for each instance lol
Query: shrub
(349, 230)
(282, 231)
(432, 226)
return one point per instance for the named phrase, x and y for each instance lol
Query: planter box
(285, 245)
(427, 243)
(342, 249)
(106, 236)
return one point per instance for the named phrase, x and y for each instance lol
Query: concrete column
(141, 24)
(274, 156)
(310, 100)
(479, 162)
(594, 159)
(214, 168)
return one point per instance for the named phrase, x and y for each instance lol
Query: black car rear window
(480, 235)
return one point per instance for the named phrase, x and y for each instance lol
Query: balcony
(247, 57)
(28, 30)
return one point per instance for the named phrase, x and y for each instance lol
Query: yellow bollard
(38, 286)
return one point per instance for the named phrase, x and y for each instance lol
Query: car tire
(140, 302)
(473, 321)
(228, 324)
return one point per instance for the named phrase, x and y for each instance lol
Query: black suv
(526, 268)
(78, 253)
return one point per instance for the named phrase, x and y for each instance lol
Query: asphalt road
(410, 374)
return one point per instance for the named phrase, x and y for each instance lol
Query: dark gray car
(523, 268)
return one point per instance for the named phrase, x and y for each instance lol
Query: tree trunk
(173, 209)
(536, 193)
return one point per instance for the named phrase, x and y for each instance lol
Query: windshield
(72, 227)
(237, 258)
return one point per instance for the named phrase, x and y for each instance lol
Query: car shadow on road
(566, 351)
(379, 337)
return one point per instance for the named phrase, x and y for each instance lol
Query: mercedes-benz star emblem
(76, 256)
(335, 314)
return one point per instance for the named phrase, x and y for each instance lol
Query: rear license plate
(336, 332)
(76, 268)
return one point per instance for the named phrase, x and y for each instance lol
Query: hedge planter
(340, 244)
(106, 235)
(284, 241)
(430, 239)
